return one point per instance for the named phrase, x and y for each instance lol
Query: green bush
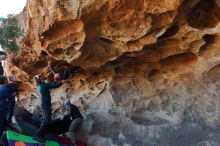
(9, 32)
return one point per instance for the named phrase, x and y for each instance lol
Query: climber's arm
(50, 68)
(55, 84)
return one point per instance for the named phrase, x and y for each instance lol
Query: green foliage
(9, 32)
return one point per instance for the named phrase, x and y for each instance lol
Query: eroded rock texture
(150, 68)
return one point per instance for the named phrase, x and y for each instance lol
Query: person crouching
(76, 118)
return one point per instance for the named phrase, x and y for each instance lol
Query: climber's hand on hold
(49, 67)
(57, 77)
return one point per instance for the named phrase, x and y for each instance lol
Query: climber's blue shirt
(5, 96)
(44, 91)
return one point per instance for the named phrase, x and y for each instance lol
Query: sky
(11, 7)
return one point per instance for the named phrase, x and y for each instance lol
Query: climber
(3, 56)
(5, 95)
(14, 88)
(45, 103)
(68, 71)
(76, 119)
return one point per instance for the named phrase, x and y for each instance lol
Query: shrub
(9, 32)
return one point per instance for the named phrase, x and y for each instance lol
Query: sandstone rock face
(150, 68)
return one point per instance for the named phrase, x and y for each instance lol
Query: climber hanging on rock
(45, 102)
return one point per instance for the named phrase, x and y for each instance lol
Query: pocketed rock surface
(149, 74)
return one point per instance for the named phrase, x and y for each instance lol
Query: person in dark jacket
(12, 85)
(45, 103)
(5, 95)
(76, 118)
